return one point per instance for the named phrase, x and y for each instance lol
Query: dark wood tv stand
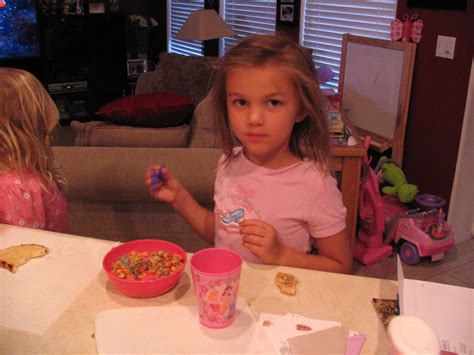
(84, 61)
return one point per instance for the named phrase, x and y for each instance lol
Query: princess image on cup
(219, 307)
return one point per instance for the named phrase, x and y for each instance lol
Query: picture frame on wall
(135, 67)
(287, 13)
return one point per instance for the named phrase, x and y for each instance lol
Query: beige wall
(461, 213)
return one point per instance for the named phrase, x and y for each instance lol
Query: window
(178, 13)
(325, 21)
(247, 18)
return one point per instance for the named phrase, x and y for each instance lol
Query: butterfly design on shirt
(234, 216)
(230, 219)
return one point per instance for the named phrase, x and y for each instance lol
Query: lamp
(204, 25)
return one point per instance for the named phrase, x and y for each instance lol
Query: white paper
(176, 329)
(279, 328)
(447, 309)
(457, 347)
(34, 297)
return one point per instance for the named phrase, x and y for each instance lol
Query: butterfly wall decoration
(409, 28)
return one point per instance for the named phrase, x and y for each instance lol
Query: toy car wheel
(430, 201)
(409, 253)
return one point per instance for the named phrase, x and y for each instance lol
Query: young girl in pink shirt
(30, 189)
(274, 193)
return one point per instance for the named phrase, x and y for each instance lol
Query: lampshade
(203, 25)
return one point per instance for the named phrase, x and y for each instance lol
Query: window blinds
(325, 21)
(178, 13)
(247, 18)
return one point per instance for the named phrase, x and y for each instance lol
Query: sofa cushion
(104, 134)
(203, 131)
(185, 75)
(149, 110)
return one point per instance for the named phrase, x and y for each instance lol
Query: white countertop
(320, 295)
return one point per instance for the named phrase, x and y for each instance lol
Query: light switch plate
(445, 47)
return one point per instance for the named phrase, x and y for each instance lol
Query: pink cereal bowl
(143, 288)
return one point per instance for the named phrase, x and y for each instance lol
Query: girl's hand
(261, 239)
(162, 184)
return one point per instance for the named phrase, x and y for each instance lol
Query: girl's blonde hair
(27, 118)
(310, 137)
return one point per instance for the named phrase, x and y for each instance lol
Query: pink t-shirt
(24, 203)
(298, 200)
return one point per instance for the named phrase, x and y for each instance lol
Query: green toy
(394, 176)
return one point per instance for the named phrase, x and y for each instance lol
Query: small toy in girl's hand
(157, 178)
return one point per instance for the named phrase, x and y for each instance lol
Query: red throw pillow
(149, 110)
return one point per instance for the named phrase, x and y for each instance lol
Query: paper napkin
(34, 297)
(294, 334)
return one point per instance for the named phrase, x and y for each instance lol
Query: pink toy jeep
(418, 232)
(384, 221)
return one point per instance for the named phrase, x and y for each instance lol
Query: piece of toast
(286, 282)
(13, 257)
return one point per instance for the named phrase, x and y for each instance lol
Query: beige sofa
(108, 198)
(106, 164)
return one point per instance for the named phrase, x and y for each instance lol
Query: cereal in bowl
(147, 265)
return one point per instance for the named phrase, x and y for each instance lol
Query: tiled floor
(457, 267)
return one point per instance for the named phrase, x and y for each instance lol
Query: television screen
(19, 29)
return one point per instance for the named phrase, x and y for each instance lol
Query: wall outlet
(445, 47)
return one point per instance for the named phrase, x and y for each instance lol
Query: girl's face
(263, 107)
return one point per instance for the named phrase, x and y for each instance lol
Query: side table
(348, 161)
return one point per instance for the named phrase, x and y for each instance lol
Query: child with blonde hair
(274, 193)
(30, 189)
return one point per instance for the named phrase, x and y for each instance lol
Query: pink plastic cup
(216, 275)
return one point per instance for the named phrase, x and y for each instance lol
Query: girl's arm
(334, 255)
(165, 187)
(334, 251)
(200, 219)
